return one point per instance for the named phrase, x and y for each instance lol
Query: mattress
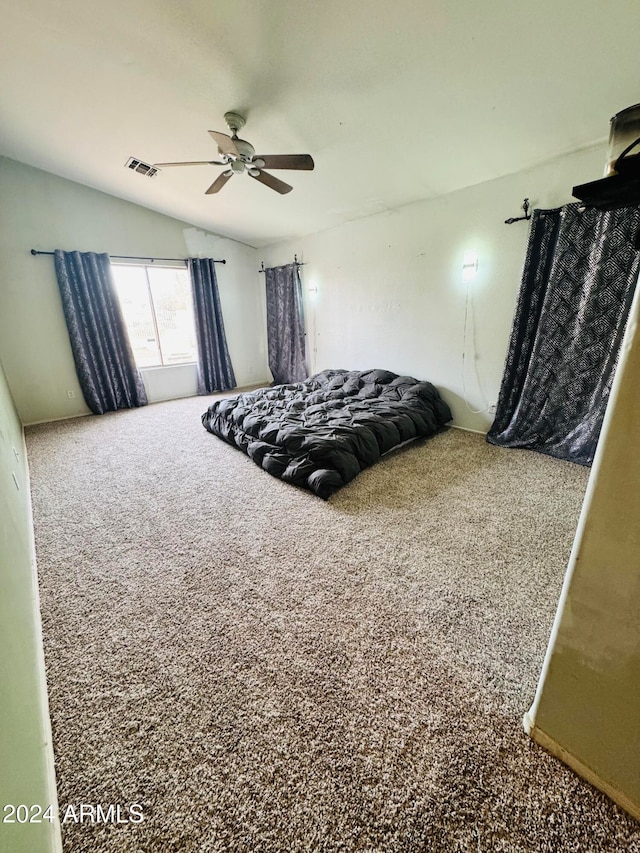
(319, 434)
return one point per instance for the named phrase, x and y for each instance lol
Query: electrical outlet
(71, 394)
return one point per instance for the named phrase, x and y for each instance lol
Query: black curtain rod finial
(527, 215)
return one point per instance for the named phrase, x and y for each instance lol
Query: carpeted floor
(264, 671)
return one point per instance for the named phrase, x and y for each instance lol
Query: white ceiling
(396, 100)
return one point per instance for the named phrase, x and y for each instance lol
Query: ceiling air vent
(139, 166)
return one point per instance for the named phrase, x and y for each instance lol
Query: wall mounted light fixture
(469, 265)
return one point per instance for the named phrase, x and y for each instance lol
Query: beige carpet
(264, 671)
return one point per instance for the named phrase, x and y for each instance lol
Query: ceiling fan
(240, 156)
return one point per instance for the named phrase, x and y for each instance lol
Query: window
(157, 308)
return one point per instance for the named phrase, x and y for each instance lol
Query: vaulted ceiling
(396, 101)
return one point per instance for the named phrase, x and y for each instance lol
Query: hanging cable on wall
(312, 294)
(469, 272)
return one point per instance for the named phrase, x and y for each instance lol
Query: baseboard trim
(57, 420)
(468, 429)
(53, 837)
(548, 743)
(231, 392)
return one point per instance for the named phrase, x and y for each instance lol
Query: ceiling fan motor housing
(245, 149)
(236, 122)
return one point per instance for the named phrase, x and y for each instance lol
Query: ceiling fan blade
(286, 161)
(191, 163)
(272, 182)
(219, 182)
(225, 143)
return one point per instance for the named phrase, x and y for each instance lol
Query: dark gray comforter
(319, 434)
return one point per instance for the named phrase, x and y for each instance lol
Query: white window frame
(147, 266)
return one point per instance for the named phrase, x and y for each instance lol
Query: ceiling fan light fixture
(253, 172)
(237, 166)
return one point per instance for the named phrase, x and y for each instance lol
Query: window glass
(171, 294)
(157, 309)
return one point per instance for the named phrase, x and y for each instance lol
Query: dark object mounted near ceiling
(239, 156)
(620, 186)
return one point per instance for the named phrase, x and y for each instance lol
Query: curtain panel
(215, 371)
(578, 282)
(285, 324)
(101, 350)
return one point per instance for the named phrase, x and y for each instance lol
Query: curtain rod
(295, 261)
(136, 258)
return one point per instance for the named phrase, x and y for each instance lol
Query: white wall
(26, 754)
(39, 210)
(390, 293)
(389, 286)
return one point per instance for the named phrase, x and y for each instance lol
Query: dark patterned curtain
(215, 371)
(578, 281)
(285, 324)
(101, 350)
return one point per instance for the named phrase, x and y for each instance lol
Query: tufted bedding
(319, 434)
